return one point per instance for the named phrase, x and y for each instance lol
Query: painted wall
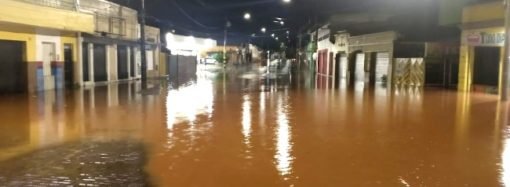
(23, 34)
(450, 11)
(13, 11)
(34, 39)
(342, 42)
(111, 62)
(324, 44)
(483, 12)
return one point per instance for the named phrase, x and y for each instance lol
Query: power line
(191, 18)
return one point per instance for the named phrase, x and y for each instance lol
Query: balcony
(46, 14)
(91, 16)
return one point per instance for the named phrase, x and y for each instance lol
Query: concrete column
(91, 63)
(391, 63)
(129, 62)
(112, 62)
(78, 69)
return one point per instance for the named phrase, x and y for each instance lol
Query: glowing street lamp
(272, 35)
(263, 30)
(282, 23)
(287, 1)
(247, 16)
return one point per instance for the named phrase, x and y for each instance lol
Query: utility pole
(227, 25)
(143, 45)
(225, 48)
(506, 61)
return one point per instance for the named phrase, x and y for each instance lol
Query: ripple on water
(78, 164)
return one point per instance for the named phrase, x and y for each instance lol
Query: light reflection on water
(283, 138)
(505, 172)
(197, 136)
(246, 121)
(186, 103)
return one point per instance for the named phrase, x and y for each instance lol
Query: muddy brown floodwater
(239, 129)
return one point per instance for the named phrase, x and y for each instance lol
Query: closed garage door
(12, 68)
(100, 74)
(381, 67)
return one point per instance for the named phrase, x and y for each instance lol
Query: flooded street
(242, 129)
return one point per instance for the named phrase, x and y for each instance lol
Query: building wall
(111, 62)
(34, 24)
(482, 12)
(26, 35)
(17, 12)
(23, 34)
(34, 39)
(153, 37)
(376, 42)
(450, 11)
(107, 20)
(163, 57)
(324, 45)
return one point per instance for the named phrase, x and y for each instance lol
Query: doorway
(48, 58)
(360, 68)
(68, 65)
(341, 70)
(85, 62)
(100, 73)
(486, 69)
(122, 62)
(382, 62)
(12, 67)
(132, 62)
(322, 62)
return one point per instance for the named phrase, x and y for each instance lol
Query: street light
(247, 16)
(263, 30)
(272, 35)
(286, 1)
(282, 23)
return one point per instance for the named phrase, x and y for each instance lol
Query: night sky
(207, 18)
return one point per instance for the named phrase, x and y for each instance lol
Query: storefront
(482, 56)
(482, 48)
(340, 62)
(370, 58)
(107, 59)
(325, 52)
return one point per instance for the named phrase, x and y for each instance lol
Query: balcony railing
(110, 18)
(60, 4)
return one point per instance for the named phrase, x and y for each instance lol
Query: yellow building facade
(482, 48)
(39, 43)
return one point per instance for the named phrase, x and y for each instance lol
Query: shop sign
(485, 39)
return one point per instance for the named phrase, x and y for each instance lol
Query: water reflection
(505, 157)
(283, 138)
(246, 121)
(197, 135)
(186, 103)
